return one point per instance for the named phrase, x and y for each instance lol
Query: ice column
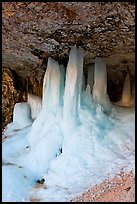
(35, 105)
(100, 85)
(91, 76)
(50, 101)
(73, 85)
(80, 74)
(126, 94)
(62, 83)
(51, 85)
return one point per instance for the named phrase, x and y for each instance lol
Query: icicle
(35, 105)
(73, 84)
(126, 94)
(100, 85)
(91, 76)
(62, 83)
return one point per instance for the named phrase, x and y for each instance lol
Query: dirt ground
(119, 189)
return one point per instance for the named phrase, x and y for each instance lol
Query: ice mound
(21, 117)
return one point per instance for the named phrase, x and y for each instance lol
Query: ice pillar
(100, 85)
(50, 100)
(62, 83)
(35, 105)
(73, 85)
(51, 85)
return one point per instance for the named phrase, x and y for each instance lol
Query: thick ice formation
(45, 129)
(100, 85)
(35, 105)
(90, 80)
(21, 117)
(51, 86)
(62, 83)
(73, 86)
(126, 94)
(50, 101)
(71, 139)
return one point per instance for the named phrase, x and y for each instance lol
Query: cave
(66, 65)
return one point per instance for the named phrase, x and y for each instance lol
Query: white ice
(35, 105)
(51, 85)
(73, 86)
(62, 83)
(21, 117)
(100, 85)
(71, 143)
(46, 128)
(21, 181)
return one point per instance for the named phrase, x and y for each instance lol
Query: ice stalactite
(126, 94)
(90, 80)
(100, 85)
(35, 105)
(62, 83)
(73, 85)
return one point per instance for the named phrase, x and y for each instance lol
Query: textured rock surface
(15, 89)
(32, 31)
(10, 96)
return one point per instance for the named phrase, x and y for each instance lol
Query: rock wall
(33, 31)
(15, 89)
